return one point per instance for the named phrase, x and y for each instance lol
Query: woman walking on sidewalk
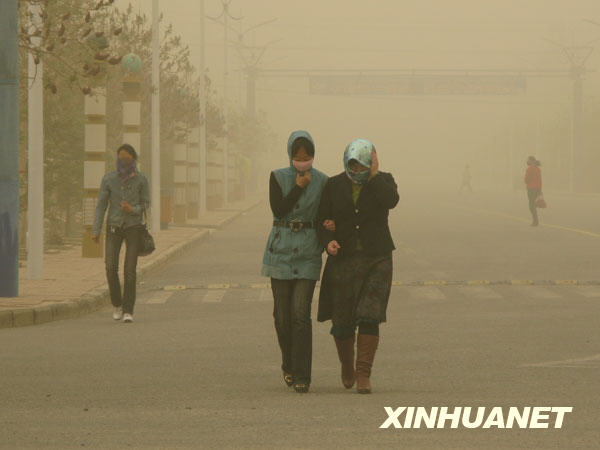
(533, 181)
(292, 256)
(358, 274)
(125, 191)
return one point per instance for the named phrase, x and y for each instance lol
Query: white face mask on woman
(303, 166)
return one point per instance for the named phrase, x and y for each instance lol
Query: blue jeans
(291, 311)
(114, 241)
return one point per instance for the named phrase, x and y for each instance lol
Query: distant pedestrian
(533, 181)
(466, 179)
(125, 191)
(292, 256)
(357, 279)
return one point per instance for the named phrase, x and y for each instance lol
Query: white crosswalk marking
(428, 292)
(160, 298)
(264, 295)
(479, 292)
(431, 290)
(588, 291)
(214, 296)
(535, 292)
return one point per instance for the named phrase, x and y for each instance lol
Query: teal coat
(296, 254)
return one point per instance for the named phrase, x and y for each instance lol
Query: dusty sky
(410, 132)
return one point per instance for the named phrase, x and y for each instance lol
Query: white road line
(479, 292)
(160, 298)
(535, 292)
(588, 291)
(428, 292)
(214, 296)
(588, 361)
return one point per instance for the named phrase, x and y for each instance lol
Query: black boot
(345, 348)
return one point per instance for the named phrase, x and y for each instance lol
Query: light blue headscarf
(360, 150)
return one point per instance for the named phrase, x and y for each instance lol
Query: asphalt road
(200, 366)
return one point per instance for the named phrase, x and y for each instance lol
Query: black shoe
(301, 387)
(288, 378)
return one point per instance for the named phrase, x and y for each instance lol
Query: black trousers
(533, 194)
(466, 184)
(114, 240)
(291, 311)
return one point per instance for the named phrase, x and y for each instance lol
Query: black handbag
(147, 245)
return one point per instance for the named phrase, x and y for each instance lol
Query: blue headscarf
(360, 150)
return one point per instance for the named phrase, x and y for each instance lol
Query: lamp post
(225, 13)
(577, 56)
(155, 186)
(202, 98)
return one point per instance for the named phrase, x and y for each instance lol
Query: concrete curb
(90, 301)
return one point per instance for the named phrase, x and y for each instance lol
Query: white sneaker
(118, 312)
(127, 318)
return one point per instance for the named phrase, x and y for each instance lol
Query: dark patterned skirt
(355, 289)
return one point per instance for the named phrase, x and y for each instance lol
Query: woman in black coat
(356, 284)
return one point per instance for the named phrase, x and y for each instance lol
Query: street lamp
(226, 15)
(155, 187)
(577, 57)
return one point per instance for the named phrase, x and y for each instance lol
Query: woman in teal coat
(292, 257)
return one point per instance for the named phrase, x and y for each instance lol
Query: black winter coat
(368, 220)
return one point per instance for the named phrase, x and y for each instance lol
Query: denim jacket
(135, 192)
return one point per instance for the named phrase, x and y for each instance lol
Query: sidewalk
(74, 285)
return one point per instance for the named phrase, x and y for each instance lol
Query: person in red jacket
(533, 181)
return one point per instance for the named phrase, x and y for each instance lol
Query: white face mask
(303, 166)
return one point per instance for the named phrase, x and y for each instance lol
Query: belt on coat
(294, 225)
